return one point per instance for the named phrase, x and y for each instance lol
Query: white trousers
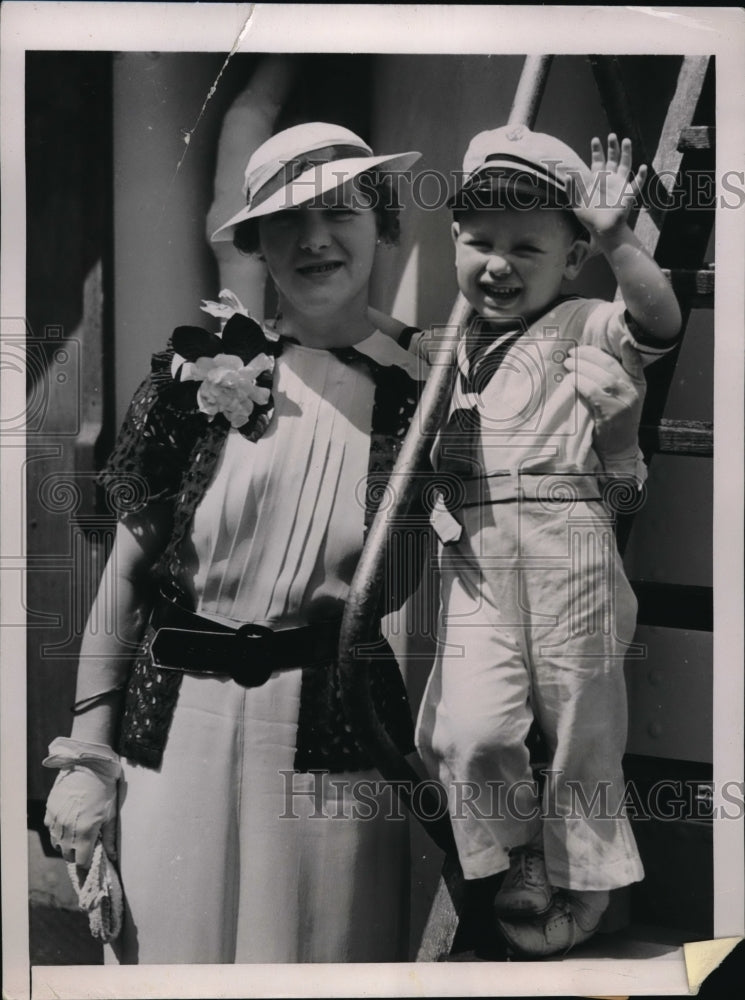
(536, 617)
(228, 856)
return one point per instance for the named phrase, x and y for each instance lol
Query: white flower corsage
(232, 372)
(228, 386)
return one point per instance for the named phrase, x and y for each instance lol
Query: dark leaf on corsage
(244, 337)
(192, 342)
(241, 337)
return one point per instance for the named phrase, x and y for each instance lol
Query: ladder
(677, 237)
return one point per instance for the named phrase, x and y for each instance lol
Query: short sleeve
(608, 324)
(153, 446)
(409, 337)
(417, 341)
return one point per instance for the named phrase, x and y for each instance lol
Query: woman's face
(320, 255)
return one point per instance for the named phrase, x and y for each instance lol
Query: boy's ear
(577, 254)
(455, 231)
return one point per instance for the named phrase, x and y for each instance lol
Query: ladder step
(678, 437)
(696, 287)
(696, 137)
(674, 605)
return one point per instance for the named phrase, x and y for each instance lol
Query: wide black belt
(249, 654)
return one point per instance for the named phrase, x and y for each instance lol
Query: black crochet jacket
(167, 452)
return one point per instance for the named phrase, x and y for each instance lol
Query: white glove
(82, 802)
(614, 393)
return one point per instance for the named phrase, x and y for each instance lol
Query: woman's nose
(314, 231)
(497, 264)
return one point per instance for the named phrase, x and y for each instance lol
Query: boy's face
(510, 263)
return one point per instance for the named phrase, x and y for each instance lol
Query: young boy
(536, 613)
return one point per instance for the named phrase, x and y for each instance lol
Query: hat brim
(521, 190)
(312, 184)
(506, 187)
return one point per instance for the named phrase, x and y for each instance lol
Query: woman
(251, 826)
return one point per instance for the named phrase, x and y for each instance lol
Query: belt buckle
(254, 662)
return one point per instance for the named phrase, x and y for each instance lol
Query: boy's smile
(510, 263)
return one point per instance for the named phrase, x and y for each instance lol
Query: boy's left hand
(603, 196)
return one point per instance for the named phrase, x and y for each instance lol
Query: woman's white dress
(226, 853)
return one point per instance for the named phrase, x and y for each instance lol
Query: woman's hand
(81, 805)
(82, 802)
(615, 394)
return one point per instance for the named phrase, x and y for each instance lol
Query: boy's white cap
(515, 155)
(302, 163)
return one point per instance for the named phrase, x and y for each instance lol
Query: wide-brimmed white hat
(302, 163)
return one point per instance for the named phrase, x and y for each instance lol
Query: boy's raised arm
(602, 200)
